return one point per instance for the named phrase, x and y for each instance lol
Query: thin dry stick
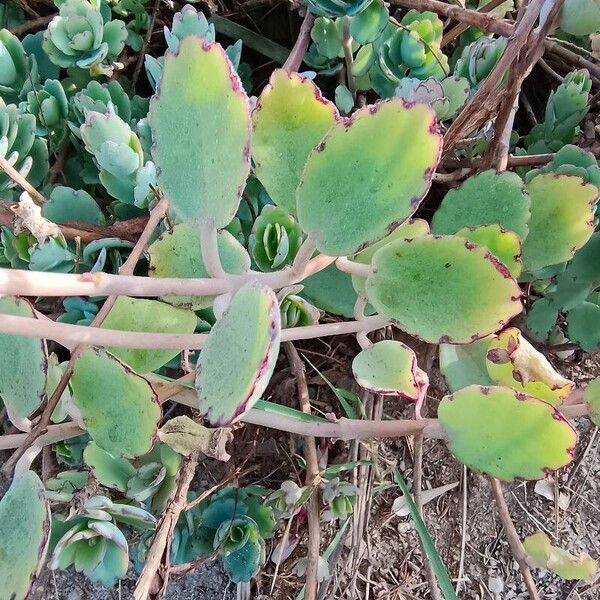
(31, 25)
(463, 531)
(21, 181)
(470, 17)
(572, 57)
(140, 60)
(157, 561)
(312, 477)
(487, 98)
(126, 230)
(462, 27)
(156, 215)
(296, 56)
(513, 539)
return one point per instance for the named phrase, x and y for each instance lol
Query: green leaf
(591, 396)
(238, 359)
(330, 290)
(176, 253)
(464, 365)
(442, 289)
(489, 198)
(24, 535)
(504, 245)
(200, 120)
(66, 204)
(541, 318)
(369, 24)
(566, 565)
(506, 434)
(388, 367)
(111, 471)
(348, 199)
(119, 408)
(139, 314)
(558, 228)
(24, 364)
(514, 362)
(409, 230)
(583, 326)
(290, 119)
(430, 550)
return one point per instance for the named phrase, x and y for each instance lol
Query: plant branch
(142, 54)
(478, 19)
(513, 539)
(28, 283)
(157, 561)
(312, 477)
(156, 215)
(353, 268)
(32, 24)
(296, 56)
(462, 27)
(209, 248)
(21, 181)
(67, 334)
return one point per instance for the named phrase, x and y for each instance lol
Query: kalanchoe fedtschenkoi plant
(80, 36)
(233, 521)
(580, 17)
(92, 540)
(277, 209)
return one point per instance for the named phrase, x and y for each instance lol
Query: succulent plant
(50, 106)
(232, 520)
(148, 481)
(65, 485)
(97, 97)
(340, 497)
(479, 58)
(92, 541)
(119, 156)
(296, 311)
(15, 67)
(25, 151)
(413, 49)
(571, 160)
(580, 17)
(275, 239)
(337, 8)
(446, 97)
(79, 36)
(566, 108)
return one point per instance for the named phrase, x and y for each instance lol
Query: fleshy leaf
(514, 362)
(506, 434)
(558, 227)
(238, 359)
(290, 119)
(176, 253)
(442, 289)
(119, 408)
(111, 471)
(140, 314)
(24, 534)
(465, 364)
(330, 290)
(543, 554)
(504, 245)
(485, 199)
(407, 231)
(583, 325)
(200, 119)
(349, 199)
(591, 396)
(24, 365)
(185, 436)
(388, 367)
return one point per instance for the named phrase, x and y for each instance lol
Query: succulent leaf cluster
(92, 540)
(82, 35)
